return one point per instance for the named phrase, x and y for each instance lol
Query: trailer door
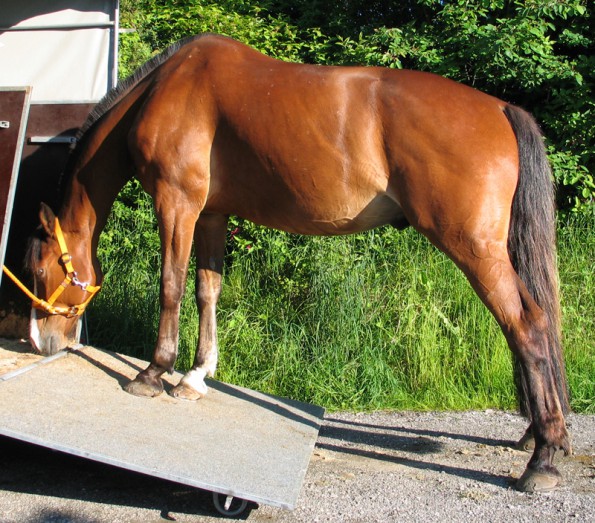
(14, 110)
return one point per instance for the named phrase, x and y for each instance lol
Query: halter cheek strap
(70, 279)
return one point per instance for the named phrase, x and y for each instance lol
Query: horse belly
(272, 203)
(378, 211)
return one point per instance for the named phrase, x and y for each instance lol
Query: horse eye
(39, 273)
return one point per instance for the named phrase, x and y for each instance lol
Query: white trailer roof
(65, 49)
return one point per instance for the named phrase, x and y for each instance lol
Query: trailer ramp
(235, 442)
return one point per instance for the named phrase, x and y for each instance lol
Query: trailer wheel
(228, 505)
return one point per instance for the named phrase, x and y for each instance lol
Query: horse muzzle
(49, 334)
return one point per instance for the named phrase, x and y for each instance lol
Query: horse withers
(212, 128)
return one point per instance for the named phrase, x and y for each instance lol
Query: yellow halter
(70, 279)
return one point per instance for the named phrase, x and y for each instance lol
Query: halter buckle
(78, 283)
(66, 258)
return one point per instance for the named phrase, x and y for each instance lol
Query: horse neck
(100, 171)
(102, 167)
(88, 204)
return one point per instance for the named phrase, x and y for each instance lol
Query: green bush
(531, 53)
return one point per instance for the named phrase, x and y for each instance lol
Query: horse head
(60, 293)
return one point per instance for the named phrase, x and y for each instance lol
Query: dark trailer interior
(57, 60)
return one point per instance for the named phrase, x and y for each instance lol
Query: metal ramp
(235, 442)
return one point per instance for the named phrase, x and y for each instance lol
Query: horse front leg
(209, 243)
(176, 228)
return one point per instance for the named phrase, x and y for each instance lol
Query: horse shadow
(401, 446)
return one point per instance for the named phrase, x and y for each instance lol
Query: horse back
(313, 149)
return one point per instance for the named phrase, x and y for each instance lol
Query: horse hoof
(526, 443)
(534, 481)
(140, 388)
(184, 392)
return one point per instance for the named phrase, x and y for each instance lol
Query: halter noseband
(70, 279)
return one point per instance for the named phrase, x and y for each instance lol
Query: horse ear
(47, 218)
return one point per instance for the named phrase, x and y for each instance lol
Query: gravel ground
(366, 467)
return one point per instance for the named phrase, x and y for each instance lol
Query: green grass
(576, 265)
(373, 321)
(372, 328)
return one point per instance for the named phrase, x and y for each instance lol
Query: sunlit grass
(380, 320)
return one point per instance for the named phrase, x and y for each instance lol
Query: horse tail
(532, 244)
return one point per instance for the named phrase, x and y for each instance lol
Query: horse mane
(117, 93)
(113, 96)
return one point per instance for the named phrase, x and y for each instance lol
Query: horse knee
(172, 292)
(208, 289)
(206, 296)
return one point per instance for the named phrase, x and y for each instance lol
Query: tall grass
(576, 239)
(380, 320)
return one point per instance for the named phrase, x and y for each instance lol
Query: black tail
(532, 243)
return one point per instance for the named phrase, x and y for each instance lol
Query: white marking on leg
(195, 379)
(34, 334)
(210, 365)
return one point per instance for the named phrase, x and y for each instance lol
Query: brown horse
(213, 128)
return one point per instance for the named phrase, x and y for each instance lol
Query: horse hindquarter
(456, 178)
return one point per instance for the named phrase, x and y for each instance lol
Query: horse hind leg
(525, 326)
(209, 243)
(547, 432)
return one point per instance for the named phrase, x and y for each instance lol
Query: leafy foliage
(535, 53)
